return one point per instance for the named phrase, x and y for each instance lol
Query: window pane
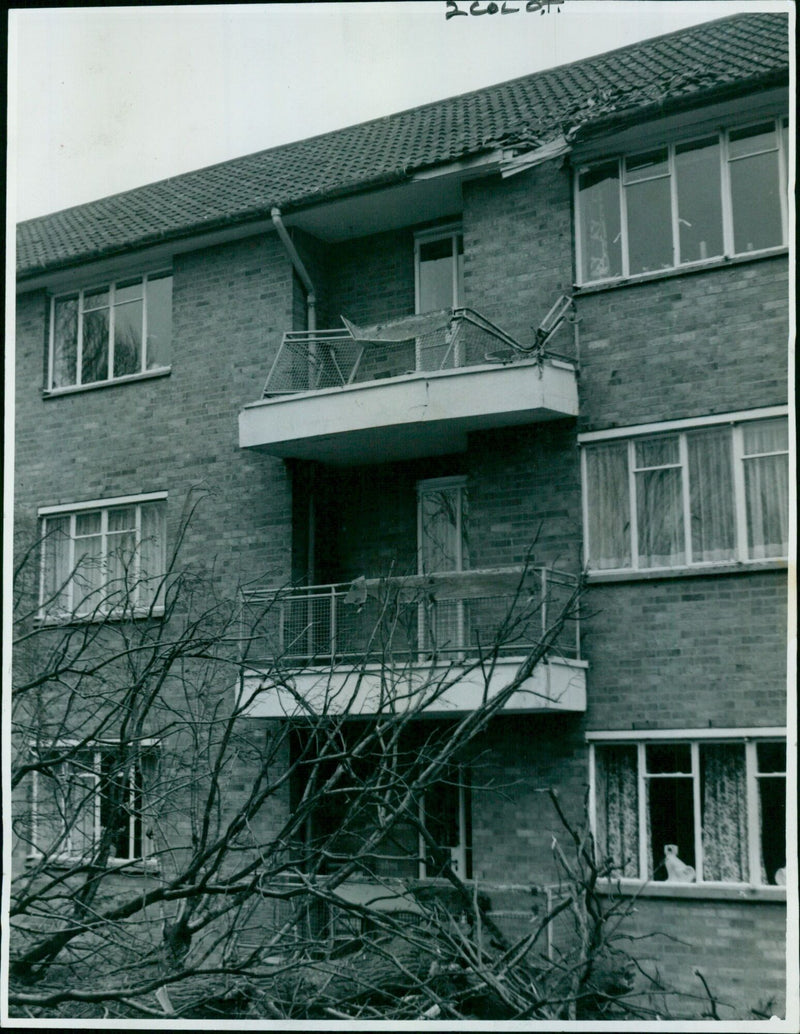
(96, 299)
(751, 140)
(55, 592)
(755, 200)
(767, 502)
(657, 452)
(649, 226)
(608, 506)
(669, 757)
(618, 808)
(436, 275)
(95, 346)
(65, 342)
(659, 514)
(443, 821)
(711, 495)
(771, 757)
(697, 171)
(647, 164)
(117, 799)
(601, 248)
(88, 523)
(128, 338)
(760, 436)
(440, 547)
(128, 291)
(121, 550)
(671, 818)
(89, 574)
(159, 322)
(772, 823)
(151, 551)
(724, 796)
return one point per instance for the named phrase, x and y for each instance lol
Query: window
(339, 821)
(704, 495)
(439, 257)
(89, 800)
(722, 194)
(110, 331)
(102, 558)
(692, 811)
(442, 546)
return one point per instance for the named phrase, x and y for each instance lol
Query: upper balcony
(397, 643)
(406, 388)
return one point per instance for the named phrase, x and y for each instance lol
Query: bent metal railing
(443, 340)
(427, 617)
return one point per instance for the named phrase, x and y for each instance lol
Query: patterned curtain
(724, 812)
(618, 808)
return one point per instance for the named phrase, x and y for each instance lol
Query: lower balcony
(373, 645)
(410, 387)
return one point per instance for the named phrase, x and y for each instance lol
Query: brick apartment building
(549, 314)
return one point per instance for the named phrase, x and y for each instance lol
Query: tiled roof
(681, 67)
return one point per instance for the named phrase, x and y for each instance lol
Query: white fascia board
(478, 165)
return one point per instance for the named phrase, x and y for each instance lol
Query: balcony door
(439, 283)
(442, 548)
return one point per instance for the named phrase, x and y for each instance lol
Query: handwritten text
(543, 6)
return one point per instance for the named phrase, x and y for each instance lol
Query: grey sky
(105, 99)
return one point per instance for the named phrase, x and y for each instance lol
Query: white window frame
(680, 428)
(111, 287)
(68, 856)
(750, 738)
(729, 251)
(72, 510)
(424, 487)
(453, 231)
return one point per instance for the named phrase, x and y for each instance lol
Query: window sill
(125, 867)
(62, 621)
(49, 393)
(693, 891)
(580, 290)
(657, 574)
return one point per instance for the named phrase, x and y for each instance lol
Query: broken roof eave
(634, 115)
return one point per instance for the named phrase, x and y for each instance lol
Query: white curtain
(55, 595)
(152, 559)
(659, 503)
(711, 494)
(766, 471)
(608, 505)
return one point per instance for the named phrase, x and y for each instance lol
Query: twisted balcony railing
(451, 616)
(445, 340)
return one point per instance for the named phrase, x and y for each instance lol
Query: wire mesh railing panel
(312, 361)
(322, 625)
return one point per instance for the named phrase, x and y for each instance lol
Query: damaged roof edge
(634, 114)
